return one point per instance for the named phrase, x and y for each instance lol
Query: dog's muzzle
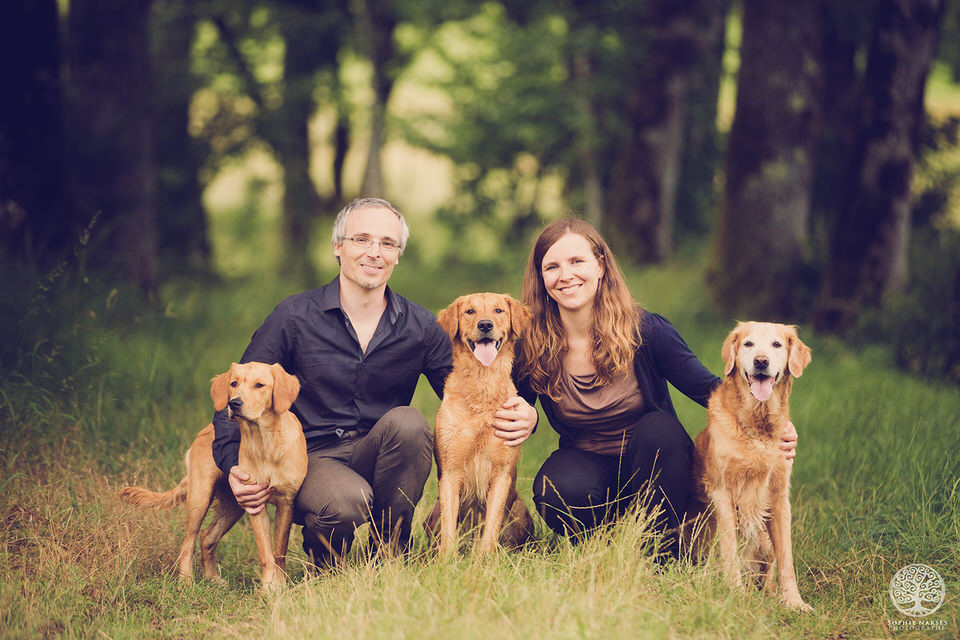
(234, 407)
(761, 384)
(485, 349)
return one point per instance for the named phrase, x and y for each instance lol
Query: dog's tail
(146, 498)
(160, 500)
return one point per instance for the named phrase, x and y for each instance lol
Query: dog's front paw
(796, 604)
(272, 586)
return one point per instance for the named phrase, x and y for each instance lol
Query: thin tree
(665, 44)
(181, 219)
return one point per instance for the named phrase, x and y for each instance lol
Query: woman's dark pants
(576, 491)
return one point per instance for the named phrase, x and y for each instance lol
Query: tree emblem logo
(917, 590)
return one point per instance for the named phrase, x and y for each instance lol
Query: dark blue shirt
(342, 388)
(661, 357)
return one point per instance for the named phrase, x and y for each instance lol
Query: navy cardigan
(662, 357)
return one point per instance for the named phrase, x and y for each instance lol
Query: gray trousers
(376, 478)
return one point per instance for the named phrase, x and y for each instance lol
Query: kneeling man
(358, 349)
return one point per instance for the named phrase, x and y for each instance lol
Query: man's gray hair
(340, 224)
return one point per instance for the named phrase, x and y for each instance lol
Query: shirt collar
(330, 299)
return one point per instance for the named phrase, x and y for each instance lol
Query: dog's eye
(776, 344)
(233, 384)
(748, 343)
(498, 310)
(259, 385)
(470, 312)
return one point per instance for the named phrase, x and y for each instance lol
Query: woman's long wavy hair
(616, 316)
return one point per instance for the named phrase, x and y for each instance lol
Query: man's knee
(407, 426)
(343, 512)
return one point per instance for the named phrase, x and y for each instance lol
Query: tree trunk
(646, 171)
(181, 219)
(341, 139)
(759, 266)
(701, 155)
(301, 203)
(375, 24)
(111, 130)
(846, 32)
(580, 78)
(32, 222)
(868, 254)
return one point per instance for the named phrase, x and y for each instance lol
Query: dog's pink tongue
(761, 389)
(485, 352)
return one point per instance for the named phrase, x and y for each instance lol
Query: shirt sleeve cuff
(229, 457)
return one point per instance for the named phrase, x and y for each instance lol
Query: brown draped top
(600, 418)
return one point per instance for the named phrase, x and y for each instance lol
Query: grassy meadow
(114, 395)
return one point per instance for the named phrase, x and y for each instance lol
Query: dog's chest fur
(745, 458)
(464, 432)
(266, 452)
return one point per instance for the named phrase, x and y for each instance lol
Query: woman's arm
(676, 362)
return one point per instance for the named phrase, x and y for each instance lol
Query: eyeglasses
(365, 242)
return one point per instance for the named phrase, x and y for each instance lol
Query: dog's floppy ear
(449, 319)
(219, 390)
(520, 316)
(799, 356)
(286, 387)
(729, 350)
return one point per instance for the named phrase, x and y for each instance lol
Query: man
(358, 349)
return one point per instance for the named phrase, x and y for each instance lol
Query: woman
(600, 366)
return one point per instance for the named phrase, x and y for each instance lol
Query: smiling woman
(571, 273)
(572, 279)
(600, 366)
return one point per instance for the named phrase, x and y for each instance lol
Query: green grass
(875, 488)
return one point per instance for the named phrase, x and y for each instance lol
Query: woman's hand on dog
(252, 497)
(514, 422)
(788, 442)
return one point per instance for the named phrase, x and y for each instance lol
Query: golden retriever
(272, 450)
(741, 479)
(477, 471)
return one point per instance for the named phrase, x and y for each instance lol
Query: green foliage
(508, 127)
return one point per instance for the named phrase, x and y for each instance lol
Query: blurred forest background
(170, 170)
(805, 153)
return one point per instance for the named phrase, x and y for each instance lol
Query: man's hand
(252, 497)
(515, 421)
(788, 442)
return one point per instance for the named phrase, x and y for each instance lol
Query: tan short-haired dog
(272, 450)
(477, 471)
(741, 479)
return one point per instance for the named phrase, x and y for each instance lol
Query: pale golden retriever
(741, 479)
(477, 471)
(272, 451)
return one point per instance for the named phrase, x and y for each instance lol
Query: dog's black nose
(485, 325)
(235, 404)
(760, 363)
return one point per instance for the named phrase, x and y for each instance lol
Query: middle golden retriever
(741, 479)
(477, 471)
